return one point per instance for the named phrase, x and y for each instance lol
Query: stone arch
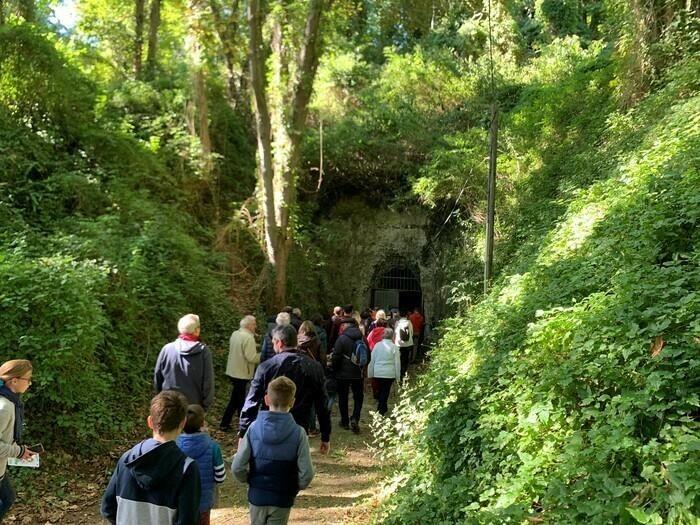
(396, 283)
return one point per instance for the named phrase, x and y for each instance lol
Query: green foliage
(99, 255)
(569, 394)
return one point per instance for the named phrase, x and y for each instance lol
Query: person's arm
(255, 394)
(397, 362)
(207, 379)
(108, 508)
(337, 355)
(12, 449)
(304, 465)
(249, 350)
(370, 366)
(158, 374)
(219, 465)
(241, 461)
(189, 497)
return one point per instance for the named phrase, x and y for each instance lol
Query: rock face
(379, 257)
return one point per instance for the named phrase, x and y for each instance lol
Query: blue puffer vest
(199, 447)
(274, 476)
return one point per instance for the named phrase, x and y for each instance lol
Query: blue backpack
(360, 355)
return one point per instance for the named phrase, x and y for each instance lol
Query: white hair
(381, 314)
(188, 324)
(297, 312)
(247, 321)
(283, 319)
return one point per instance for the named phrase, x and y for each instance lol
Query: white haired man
(242, 358)
(267, 350)
(186, 365)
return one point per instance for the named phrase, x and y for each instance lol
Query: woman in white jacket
(385, 367)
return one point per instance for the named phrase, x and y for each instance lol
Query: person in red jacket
(418, 322)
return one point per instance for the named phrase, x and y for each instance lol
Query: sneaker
(355, 426)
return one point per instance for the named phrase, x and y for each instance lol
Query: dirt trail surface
(346, 480)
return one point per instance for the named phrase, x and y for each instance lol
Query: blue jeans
(7, 495)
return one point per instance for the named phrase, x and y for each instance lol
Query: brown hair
(381, 322)
(195, 419)
(307, 327)
(168, 410)
(15, 368)
(281, 392)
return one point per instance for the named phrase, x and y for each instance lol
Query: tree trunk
(27, 10)
(227, 31)
(154, 23)
(139, 9)
(280, 129)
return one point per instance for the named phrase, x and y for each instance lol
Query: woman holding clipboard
(15, 379)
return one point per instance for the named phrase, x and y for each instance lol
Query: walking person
(267, 350)
(196, 443)
(185, 365)
(274, 458)
(242, 358)
(16, 378)
(307, 375)
(348, 375)
(418, 323)
(403, 338)
(384, 368)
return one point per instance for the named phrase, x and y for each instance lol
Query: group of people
(282, 394)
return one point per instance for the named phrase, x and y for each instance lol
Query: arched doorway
(397, 285)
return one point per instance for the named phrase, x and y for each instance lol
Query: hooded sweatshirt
(153, 484)
(274, 459)
(343, 367)
(207, 453)
(186, 366)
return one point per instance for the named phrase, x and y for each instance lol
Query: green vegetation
(567, 394)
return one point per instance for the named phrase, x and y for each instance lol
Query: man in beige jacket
(242, 358)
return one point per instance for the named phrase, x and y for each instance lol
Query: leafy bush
(570, 393)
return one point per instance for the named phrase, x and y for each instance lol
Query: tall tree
(226, 24)
(139, 10)
(281, 108)
(153, 25)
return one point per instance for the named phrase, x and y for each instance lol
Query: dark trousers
(405, 357)
(344, 385)
(384, 385)
(7, 495)
(235, 403)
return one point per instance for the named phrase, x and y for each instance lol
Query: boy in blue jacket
(274, 457)
(199, 446)
(154, 483)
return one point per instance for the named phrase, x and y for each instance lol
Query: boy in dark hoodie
(154, 483)
(274, 457)
(198, 445)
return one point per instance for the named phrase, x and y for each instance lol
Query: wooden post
(491, 197)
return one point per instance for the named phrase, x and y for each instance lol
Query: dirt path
(345, 480)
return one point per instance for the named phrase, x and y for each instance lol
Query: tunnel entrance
(397, 285)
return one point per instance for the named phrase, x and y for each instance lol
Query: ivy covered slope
(570, 393)
(101, 250)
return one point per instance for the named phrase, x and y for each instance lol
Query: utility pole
(491, 197)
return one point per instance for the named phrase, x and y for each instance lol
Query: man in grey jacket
(186, 365)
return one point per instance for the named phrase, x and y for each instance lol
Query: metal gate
(396, 286)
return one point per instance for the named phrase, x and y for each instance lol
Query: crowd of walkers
(281, 395)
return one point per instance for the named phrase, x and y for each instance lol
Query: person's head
(307, 328)
(168, 414)
(195, 419)
(388, 334)
(283, 319)
(365, 314)
(287, 310)
(394, 313)
(381, 314)
(382, 322)
(297, 312)
(337, 311)
(348, 309)
(189, 324)
(284, 336)
(249, 323)
(280, 394)
(17, 375)
(317, 319)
